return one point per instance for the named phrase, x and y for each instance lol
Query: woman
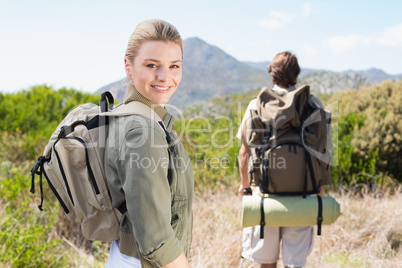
(147, 166)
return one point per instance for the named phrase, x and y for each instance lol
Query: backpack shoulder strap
(135, 108)
(315, 101)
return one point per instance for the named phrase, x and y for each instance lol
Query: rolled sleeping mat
(288, 210)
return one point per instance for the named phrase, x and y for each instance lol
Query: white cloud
(309, 50)
(307, 9)
(391, 37)
(269, 42)
(277, 19)
(343, 43)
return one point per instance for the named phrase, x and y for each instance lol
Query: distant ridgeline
(209, 72)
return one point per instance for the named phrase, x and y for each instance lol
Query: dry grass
(367, 234)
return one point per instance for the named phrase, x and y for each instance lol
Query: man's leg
(263, 251)
(297, 244)
(268, 265)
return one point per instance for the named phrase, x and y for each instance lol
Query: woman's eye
(151, 65)
(175, 67)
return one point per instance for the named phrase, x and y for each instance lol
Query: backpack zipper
(90, 172)
(62, 172)
(63, 205)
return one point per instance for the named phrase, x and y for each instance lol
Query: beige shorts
(297, 244)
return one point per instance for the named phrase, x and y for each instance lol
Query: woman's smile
(161, 89)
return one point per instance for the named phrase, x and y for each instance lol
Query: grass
(367, 234)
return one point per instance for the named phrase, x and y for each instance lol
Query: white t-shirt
(251, 106)
(119, 260)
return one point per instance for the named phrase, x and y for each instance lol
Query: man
(297, 242)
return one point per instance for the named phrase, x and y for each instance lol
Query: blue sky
(81, 44)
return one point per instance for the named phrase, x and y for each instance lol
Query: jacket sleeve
(143, 170)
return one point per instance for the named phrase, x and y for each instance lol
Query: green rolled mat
(288, 210)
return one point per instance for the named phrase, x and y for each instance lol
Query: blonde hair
(151, 30)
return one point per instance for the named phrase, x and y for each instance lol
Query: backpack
(73, 165)
(289, 143)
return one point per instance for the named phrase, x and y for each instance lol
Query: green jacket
(157, 184)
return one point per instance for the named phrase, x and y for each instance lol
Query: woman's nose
(161, 74)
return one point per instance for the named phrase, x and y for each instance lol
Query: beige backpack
(288, 138)
(289, 141)
(73, 165)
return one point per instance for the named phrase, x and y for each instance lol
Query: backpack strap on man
(312, 175)
(253, 128)
(262, 222)
(319, 199)
(319, 218)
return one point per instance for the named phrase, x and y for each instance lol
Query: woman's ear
(127, 67)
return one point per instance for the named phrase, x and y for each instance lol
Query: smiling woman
(156, 228)
(156, 71)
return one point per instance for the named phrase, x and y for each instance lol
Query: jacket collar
(133, 95)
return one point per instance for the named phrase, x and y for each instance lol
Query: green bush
(38, 110)
(352, 168)
(380, 111)
(33, 238)
(25, 234)
(212, 147)
(26, 238)
(17, 147)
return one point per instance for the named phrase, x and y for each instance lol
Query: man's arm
(244, 155)
(322, 191)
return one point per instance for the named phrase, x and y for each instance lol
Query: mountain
(259, 65)
(327, 82)
(376, 75)
(263, 66)
(208, 72)
(372, 74)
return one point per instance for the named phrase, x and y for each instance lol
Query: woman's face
(156, 70)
